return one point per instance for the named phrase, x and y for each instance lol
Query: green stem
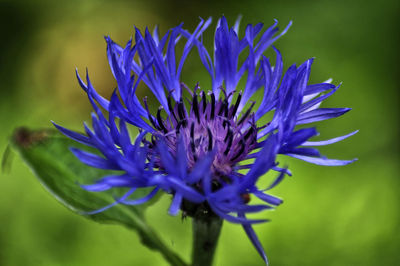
(205, 238)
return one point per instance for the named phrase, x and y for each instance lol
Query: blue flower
(198, 144)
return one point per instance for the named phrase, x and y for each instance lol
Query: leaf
(47, 153)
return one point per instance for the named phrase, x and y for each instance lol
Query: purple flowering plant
(205, 147)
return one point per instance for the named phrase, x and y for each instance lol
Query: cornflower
(209, 148)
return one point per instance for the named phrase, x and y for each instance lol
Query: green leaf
(47, 153)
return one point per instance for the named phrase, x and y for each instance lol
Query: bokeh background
(331, 216)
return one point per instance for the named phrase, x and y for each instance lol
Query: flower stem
(206, 231)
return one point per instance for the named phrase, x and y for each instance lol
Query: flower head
(195, 145)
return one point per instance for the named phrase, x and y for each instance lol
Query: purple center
(211, 124)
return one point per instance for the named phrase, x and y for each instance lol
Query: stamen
(192, 131)
(223, 90)
(236, 106)
(149, 115)
(226, 123)
(224, 107)
(171, 109)
(249, 132)
(230, 94)
(228, 146)
(192, 145)
(204, 100)
(210, 139)
(196, 107)
(153, 140)
(181, 112)
(240, 152)
(246, 114)
(228, 132)
(196, 88)
(159, 120)
(223, 131)
(183, 85)
(226, 110)
(227, 96)
(178, 127)
(212, 106)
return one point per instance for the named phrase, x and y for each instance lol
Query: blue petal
(271, 81)
(267, 198)
(124, 137)
(73, 135)
(315, 101)
(132, 118)
(329, 141)
(186, 191)
(278, 179)
(322, 161)
(181, 158)
(265, 161)
(320, 115)
(166, 158)
(254, 239)
(109, 182)
(141, 200)
(156, 35)
(94, 160)
(234, 219)
(237, 24)
(243, 207)
(112, 204)
(200, 169)
(176, 204)
(301, 151)
(96, 187)
(282, 170)
(317, 88)
(93, 93)
(300, 136)
(266, 39)
(191, 41)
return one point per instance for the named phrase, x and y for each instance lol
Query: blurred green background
(331, 216)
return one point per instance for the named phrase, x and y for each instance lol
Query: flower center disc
(210, 125)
